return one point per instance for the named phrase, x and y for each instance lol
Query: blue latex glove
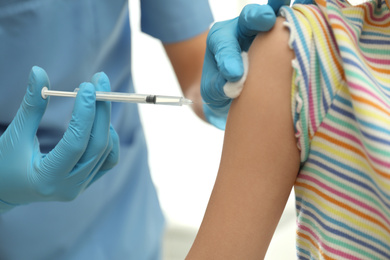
(225, 42)
(88, 149)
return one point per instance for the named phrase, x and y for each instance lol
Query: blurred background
(184, 151)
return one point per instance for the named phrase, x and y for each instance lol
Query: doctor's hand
(88, 149)
(223, 61)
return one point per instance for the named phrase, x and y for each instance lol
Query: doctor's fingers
(255, 18)
(67, 153)
(87, 172)
(111, 159)
(224, 47)
(276, 4)
(111, 156)
(100, 142)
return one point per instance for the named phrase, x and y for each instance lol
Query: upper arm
(260, 158)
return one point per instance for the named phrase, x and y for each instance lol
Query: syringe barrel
(121, 97)
(168, 100)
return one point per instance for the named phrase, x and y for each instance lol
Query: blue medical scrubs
(119, 216)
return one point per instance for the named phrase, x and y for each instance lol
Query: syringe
(123, 97)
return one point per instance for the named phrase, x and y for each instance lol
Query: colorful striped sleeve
(341, 110)
(318, 72)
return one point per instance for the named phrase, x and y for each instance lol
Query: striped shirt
(341, 111)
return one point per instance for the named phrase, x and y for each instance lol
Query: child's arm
(260, 159)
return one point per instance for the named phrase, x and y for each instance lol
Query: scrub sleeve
(119, 216)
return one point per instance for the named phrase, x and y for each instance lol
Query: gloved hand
(225, 42)
(88, 149)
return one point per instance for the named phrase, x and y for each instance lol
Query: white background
(184, 151)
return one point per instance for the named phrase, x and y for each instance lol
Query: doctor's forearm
(187, 61)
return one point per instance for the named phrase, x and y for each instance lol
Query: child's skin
(260, 158)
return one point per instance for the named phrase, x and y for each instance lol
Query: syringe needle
(123, 97)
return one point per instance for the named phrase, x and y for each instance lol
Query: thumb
(255, 18)
(33, 105)
(276, 4)
(304, 2)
